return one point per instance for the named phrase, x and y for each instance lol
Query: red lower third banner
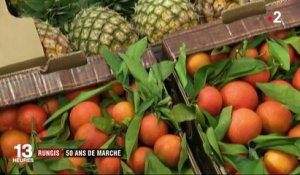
(56, 153)
(49, 153)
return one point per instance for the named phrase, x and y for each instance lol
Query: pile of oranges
(154, 133)
(254, 113)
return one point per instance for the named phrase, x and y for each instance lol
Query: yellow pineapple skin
(54, 43)
(213, 9)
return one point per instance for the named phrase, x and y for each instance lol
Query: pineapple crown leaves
(57, 12)
(60, 13)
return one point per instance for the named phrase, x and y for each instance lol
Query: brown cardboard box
(21, 49)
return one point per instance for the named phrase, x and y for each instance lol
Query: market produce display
(234, 109)
(245, 100)
(131, 113)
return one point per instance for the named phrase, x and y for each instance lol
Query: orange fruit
(10, 139)
(117, 88)
(196, 61)
(8, 118)
(245, 125)
(230, 168)
(51, 106)
(108, 165)
(76, 162)
(133, 86)
(41, 135)
(278, 162)
(296, 79)
(151, 129)
(251, 53)
(295, 131)
(239, 94)
(292, 54)
(275, 117)
(94, 138)
(260, 77)
(120, 141)
(167, 149)
(278, 81)
(282, 34)
(264, 51)
(138, 159)
(29, 112)
(210, 99)
(73, 94)
(83, 113)
(109, 108)
(218, 57)
(122, 111)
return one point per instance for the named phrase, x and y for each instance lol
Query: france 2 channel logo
(24, 153)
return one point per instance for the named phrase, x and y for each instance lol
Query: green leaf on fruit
(69, 144)
(228, 148)
(243, 67)
(60, 164)
(104, 124)
(255, 42)
(137, 50)
(286, 95)
(224, 122)
(109, 143)
(211, 120)
(180, 66)
(181, 113)
(112, 60)
(163, 69)
(14, 169)
(295, 42)
(245, 166)
(224, 49)
(131, 137)
(57, 127)
(211, 136)
(126, 169)
(80, 98)
(154, 166)
(211, 72)
(183, 153)
(28, 170)
(296, 171)
(279, 52)
(40, 167)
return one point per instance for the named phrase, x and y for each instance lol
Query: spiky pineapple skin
(97, 27)
(54, 43)
(212, 9)
(156, 18)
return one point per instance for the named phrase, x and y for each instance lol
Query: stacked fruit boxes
(62, 120)
(32, 86)
(225, 80)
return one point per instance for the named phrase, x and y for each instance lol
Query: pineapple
(212, 9)
(95, 27)
(156, 18)
(54, 43)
